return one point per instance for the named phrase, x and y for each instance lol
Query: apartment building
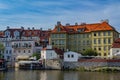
(78, 38)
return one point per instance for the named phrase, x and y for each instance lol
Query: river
(56, 75)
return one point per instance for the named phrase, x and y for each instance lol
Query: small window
(24, 51)
(117, 51)
(105, 54)
(99, 49)
(68, 56)
(94, 34)
(72, 56)
(29, 51)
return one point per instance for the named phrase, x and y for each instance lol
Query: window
(109, 33)
(10, 51)
(99, 34)
(99, 41)
(94, 34)
(29, 51)
(94, 48)
(109, 41)
(72, 56)
(24, 51)
(68, 56)
(99, 49)
(19, 51)
(105, 54)
(117, 51)
(58, 29)
(99, 54)
(104, 33)
(105, 48)
(6, 51)
(94, 41)
(104, 41)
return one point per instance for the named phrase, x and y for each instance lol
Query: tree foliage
(1, 49)
(37, 55)
(90, 52)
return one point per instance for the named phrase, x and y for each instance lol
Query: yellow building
(78, 38)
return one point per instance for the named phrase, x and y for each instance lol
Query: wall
(92, 63)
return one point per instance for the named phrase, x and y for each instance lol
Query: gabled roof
(103, 26)
(12, 30)
(116, 43)
(31, 33)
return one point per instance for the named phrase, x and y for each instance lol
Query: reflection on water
(56, 75)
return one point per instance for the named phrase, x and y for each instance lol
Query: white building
(22, 48)
(115, 49)
(48, 53)
(71, 56)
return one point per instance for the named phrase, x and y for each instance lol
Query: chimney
(106, 20)
(58, 23)
(76, 23)
(22, 27)
(33, 28)
(8, 27)
(41, 29)
(67, 24)
(28, 28)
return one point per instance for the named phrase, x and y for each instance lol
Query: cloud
(41, 13)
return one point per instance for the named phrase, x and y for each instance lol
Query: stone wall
(53, 64)
(92, 63)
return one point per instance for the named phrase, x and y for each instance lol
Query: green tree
(90, 52)
(1, 49)
(37, 55)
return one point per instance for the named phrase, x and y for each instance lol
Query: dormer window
(80, 29)
(58, 29)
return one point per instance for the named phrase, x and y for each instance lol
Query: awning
(22, 57)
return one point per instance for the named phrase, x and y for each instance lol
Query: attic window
(81, 30)
(71, 30)
(58, 29)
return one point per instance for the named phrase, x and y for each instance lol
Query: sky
(45, 13)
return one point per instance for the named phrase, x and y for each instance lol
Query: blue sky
(46, 13)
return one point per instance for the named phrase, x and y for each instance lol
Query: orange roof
(104, 26)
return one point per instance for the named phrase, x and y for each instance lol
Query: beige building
(78, 38)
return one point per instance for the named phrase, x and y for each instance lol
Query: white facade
(22, 48)
(114, 51)
(48, 53)
(71, 56)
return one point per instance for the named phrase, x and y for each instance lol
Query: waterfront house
(115, 49)
(51, 57)
(71, 56)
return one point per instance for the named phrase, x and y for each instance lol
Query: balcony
(22, 46)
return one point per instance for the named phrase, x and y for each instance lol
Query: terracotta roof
(1, 33)
(103, 26)
(31, 33)
(116, 43)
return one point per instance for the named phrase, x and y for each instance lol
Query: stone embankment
(92, 63)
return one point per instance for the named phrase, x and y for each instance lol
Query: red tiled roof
(116, 43)
(29, 33)
(104, 26)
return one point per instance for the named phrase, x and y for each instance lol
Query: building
(51, 53)
(22, 49)
(78, 38)
(20, 36)
(51, 58)
(115, 49)
(71, 56)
